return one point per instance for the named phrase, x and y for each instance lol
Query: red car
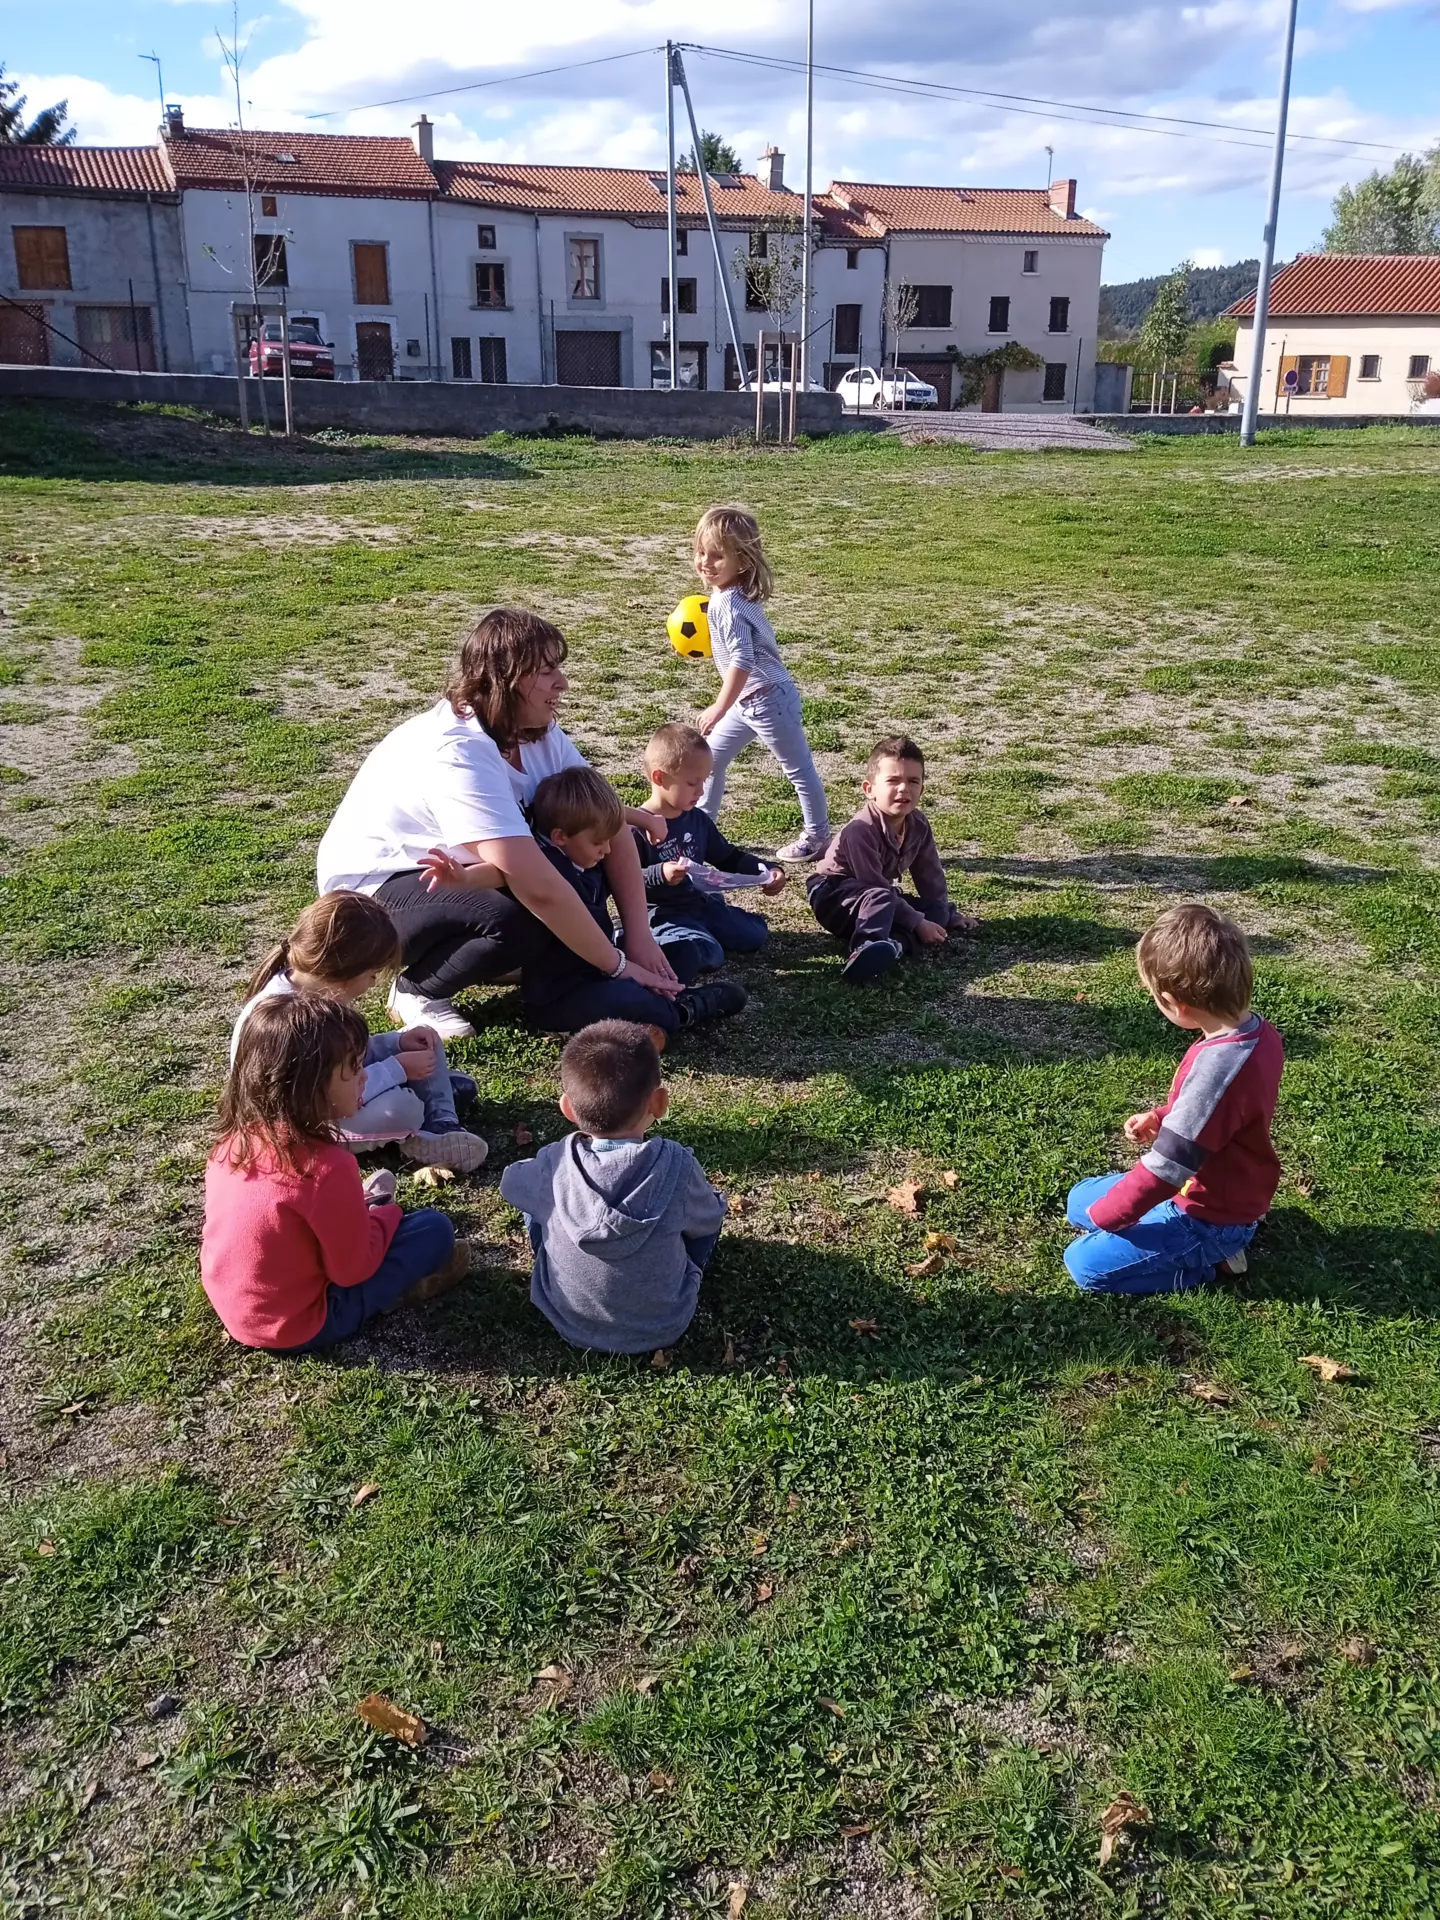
(310, 357)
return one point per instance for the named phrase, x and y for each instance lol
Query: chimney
(425, 139)
(1062, 198)
(174, 127)
(772, 169)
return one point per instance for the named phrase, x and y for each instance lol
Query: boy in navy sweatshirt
(678, 762)
(1190, 1206)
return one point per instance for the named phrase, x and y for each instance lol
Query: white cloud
(1208, 257)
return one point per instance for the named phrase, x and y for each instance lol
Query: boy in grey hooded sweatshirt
(621, 1226)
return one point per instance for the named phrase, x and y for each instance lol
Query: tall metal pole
(1267, 259)
(809, 195)
(704, 178)
(674, 301)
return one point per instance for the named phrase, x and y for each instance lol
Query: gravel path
(1004, 430)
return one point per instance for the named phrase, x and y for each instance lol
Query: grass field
(823, 1619)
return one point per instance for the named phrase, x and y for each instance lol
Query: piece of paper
(708, 879)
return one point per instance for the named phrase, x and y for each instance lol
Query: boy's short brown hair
(1199, 958)
(673, 746)
(608, 1072)
(895, 746)
(574, 799)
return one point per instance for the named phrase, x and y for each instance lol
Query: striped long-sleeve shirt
(1213, 1154)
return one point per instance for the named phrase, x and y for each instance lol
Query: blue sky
(1365, 70)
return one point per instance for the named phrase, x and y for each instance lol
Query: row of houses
(430, 269)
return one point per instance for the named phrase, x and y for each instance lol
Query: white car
(783, 386)
(864, 387)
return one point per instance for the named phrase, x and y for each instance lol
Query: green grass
(874, 1623)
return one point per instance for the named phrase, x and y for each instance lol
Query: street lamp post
(1267, 259)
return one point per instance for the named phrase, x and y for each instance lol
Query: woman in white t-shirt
(459, 777)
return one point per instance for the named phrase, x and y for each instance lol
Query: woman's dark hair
(337, 938)
(500, 651)
(275, 1107)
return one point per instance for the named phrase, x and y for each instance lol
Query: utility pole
(159, 80)
(674, 300)
(1267, 259)
(678, 69)
(809, 196)
(1049, 167)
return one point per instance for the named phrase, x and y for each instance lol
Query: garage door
(587, 359)
(937, 372)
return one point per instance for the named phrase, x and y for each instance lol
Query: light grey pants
(773, 718)
(417, 1106)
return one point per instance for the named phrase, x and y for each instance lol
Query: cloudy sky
(1366, 70)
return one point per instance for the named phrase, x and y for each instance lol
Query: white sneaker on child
(409, 1009)
(803, 849)
(462, 1152)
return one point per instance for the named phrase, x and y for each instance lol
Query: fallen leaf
(1212, 1394)
(867, 1329)
(950, 1179)
(1320, 1463)
(1123, 1811)
(362, 1494)
(1359, 1653)
(832, 1706)
(144, 1760)
(782, 1366)
(739, 1894)
(729, 1359)
(1327, 1368)
(1305, 1188)
(647, 1683)
(906, 1197)
(661, 1782)
(382, 1714)
(1290, 1653)
(660, 1361)
(434, 1176)
(741, 1203)
(793, 1503)
(558, 1679)
(88, 1793)
(812, 1177)
(523, 1136)
(46, 1549)
(923, 1269)
(689, 1566)
(942, 1243)
(1237, 1674)
(847, 1543)
(759, 1543)
(1239, 800)
(858, 1831)
(763, 1593)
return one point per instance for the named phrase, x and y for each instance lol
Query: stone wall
(422, 406)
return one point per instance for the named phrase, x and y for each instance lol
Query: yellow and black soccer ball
(688, 628)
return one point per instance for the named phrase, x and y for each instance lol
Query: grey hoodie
(612, 1265)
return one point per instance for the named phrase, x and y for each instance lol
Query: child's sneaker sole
(1234, 1265)
(462, 1152)
(870, 961)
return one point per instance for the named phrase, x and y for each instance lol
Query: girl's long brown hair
(500, 651)
(339, 937)
(275, 1109)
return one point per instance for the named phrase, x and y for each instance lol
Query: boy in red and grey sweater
(1189, 1207)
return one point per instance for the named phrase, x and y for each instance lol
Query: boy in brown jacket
(854, 891)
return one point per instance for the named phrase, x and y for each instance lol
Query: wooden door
(374, 350)
(587, 359)
(372, 273)
(990, 396)
(24, 341)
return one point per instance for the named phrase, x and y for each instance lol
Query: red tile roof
(1352, 286)
(885, 209)
(112, 170)
(381, 168)
(609, 190)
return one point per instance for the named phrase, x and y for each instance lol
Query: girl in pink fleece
(297, 1253)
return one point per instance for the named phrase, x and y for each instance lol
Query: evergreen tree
(1394, 212)
(719, 156)
(47, 129)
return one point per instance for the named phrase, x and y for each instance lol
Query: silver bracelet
(624, 961)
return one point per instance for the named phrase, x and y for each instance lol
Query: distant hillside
(1123, 307)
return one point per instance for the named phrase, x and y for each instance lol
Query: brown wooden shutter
(1339, 375)
(372, 274)
(1289, 364)
(42, 258)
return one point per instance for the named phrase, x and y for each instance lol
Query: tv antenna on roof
(159, 77)
(1049, 167)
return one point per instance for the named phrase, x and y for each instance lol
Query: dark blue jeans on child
(424, 1241)
(1167, 1250)
(715, 927)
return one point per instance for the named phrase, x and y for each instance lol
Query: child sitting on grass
(341, 945)
(1189, 1208)
(296, 1254)
(854, 892)
(621, 1226)
(757, 700)
(678, 762)
(575, 816)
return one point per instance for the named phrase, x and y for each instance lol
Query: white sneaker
(409, 1009)
(462, 1152)
(803, 849)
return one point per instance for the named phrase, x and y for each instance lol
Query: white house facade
(1345, 334)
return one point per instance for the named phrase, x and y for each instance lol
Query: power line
(1026, 102)
(475, 86)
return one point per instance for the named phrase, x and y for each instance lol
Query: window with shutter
(372, 273)
(999, 312)
(932, 306)
(489, 284)
(42, 257)
(584, 269)
(1339, 375)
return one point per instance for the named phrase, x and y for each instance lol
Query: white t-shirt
(436, 781)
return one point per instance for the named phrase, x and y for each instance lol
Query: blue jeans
(713, 924)
(600, 998)
(423, 1241)
(1166, 1251)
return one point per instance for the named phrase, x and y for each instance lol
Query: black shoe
(869, 961)
(716, 1001)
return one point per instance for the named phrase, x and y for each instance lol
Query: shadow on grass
(1219, 873)
(1393, 1272)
